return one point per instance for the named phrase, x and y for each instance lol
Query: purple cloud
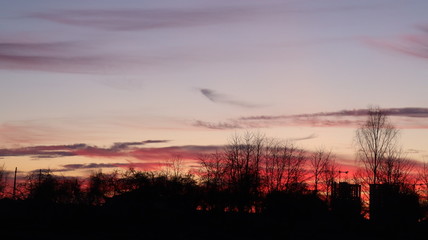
(73, 167)
(67, 57)
(125, 145)
(344, 118)
(143, 19)
(215, 97)
(312, 136)
(403, 112)
(135, 150)
(219, 125)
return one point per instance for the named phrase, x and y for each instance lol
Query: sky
(116, 84)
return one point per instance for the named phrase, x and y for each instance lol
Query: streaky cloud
(403, 112)
(411, 45)
(143, 19)
(127, 19)
(220, 125)
(126, 145)
(311, 136)
(345, 118)
(140, 165)
(43, 151)
(155, 141)
(36, 48)
(131, 150)
(67, 57)
(92, 165)
(215, 97)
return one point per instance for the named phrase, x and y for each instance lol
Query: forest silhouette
(255, 188)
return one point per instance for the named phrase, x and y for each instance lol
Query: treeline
(255, 182)
(250, 169)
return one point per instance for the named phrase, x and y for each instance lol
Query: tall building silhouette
(346, 199)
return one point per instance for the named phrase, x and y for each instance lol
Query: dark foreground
(35, 220)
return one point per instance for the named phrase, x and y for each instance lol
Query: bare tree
(329, 175)
(174, 167)
(3, 181)
(423, 179)
(213, 170)
(375, 139)
(395, 169)
(275, 165)
(243, 157)
(283, 167)
(101, 186)
(319, 161)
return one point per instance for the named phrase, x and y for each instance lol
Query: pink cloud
(412, 45)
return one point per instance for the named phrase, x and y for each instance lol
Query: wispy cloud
(122, 84)
(54, 56)
(27, 133)
(43, 151)
(126, 19)
(216, 97)
(132, 150)
(92, 165)
(143, 19)
(68, 57)
(412, 45)
(218, 125)
(416, 118)
(36, 48)
(312, 136)
(402, 112)
(146, 166)
(126, 145)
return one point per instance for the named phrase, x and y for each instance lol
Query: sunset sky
(97, 84)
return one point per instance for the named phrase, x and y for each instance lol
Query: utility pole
(14, 183)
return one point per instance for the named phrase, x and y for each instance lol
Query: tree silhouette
(283, 167)
(243, 156)
(329, 176)
(375, 138)
(101, 186)
(3, 181)
(42, 185)
(395, 169)
(319, 162)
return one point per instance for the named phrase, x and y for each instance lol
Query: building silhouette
(346, 199)
(393, 203)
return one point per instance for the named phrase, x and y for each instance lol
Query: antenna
(346, 172)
